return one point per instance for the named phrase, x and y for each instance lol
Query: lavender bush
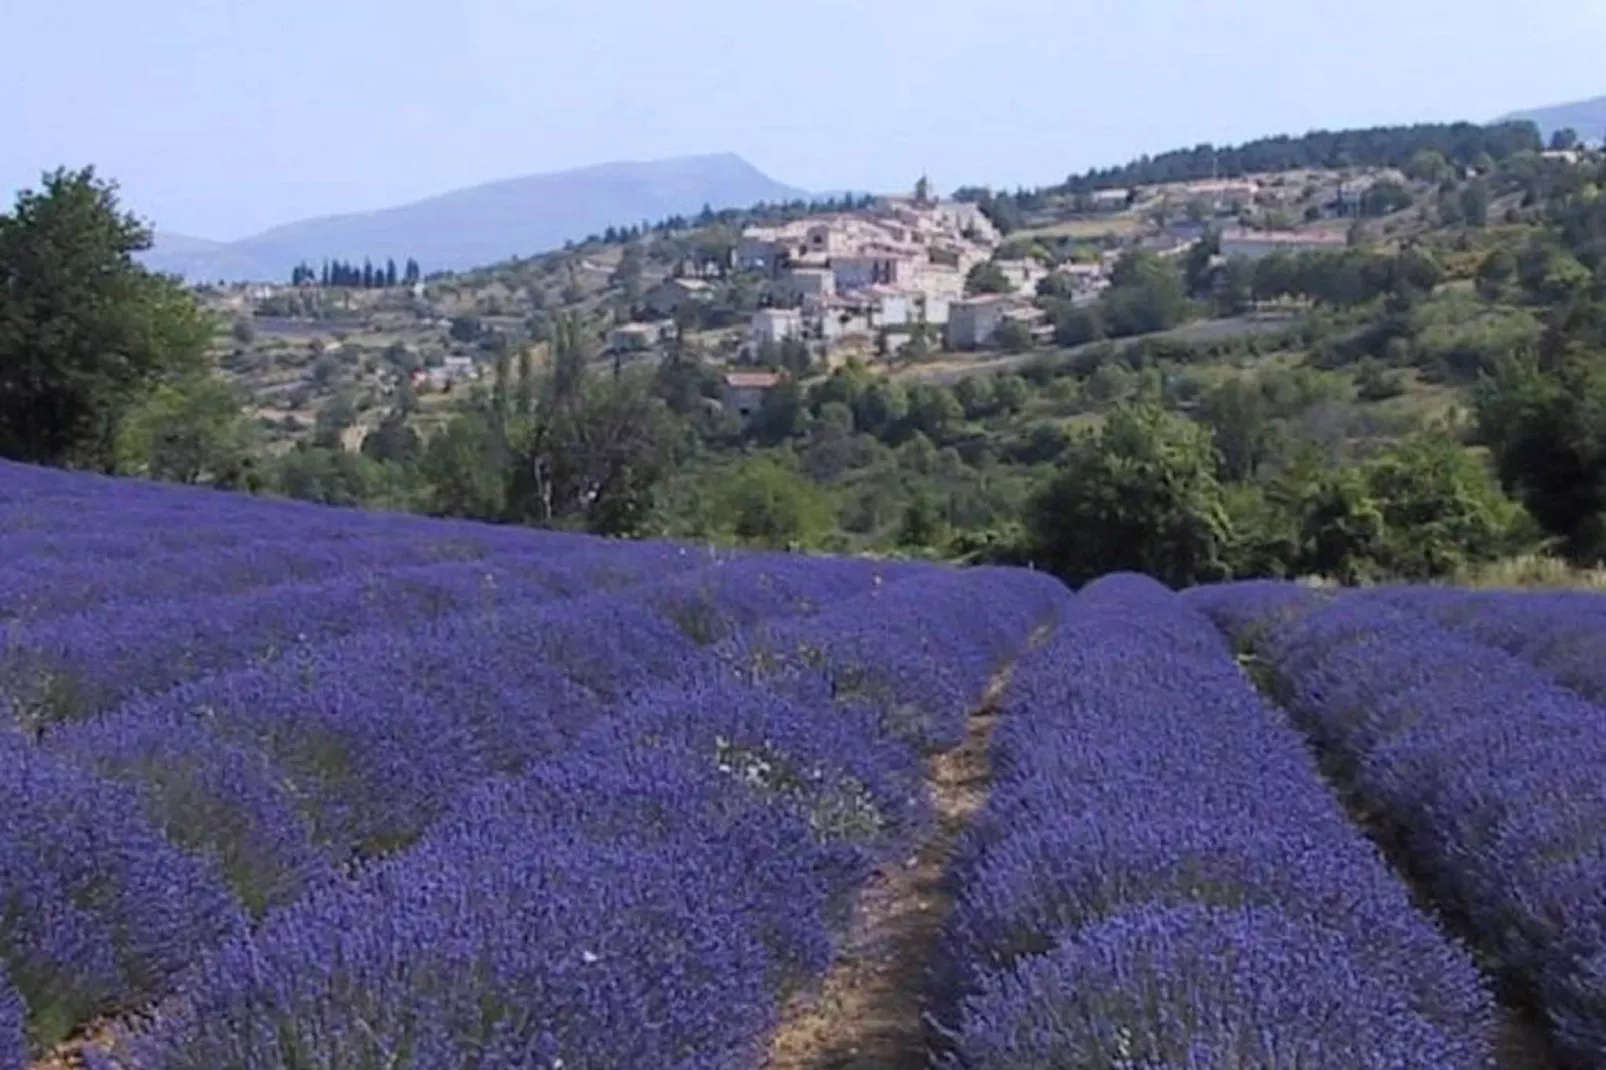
(1484, 774)
(100, 912)
(1160, 876)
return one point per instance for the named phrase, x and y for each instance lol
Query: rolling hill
(482, 224)
(1587, 117)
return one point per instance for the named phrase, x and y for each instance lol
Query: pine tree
(390, 272)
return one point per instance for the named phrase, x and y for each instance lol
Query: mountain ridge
(1586, 117)
(481, 224)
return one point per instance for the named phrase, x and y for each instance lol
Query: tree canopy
(86, 333)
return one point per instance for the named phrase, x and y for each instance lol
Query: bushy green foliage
(85, 332)
(1142, 493)
(1546, 429)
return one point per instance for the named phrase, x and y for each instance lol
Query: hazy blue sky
(222, 117)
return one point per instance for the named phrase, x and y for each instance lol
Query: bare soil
(871, 1011)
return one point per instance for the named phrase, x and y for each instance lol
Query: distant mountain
(1587, 117)
(483, 224)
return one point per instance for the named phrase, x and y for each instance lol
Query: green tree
(781, 416)
(1146, 294)
(923, 525)
(463, 470)
(593, 459)
(332, 477)
(85, 332)
(394, 441)
(933, 411)
(1013, 336)
(976, 396)
(1546, 430)
(1442, 508)
(1011, 392)
(338, 415)
(1239, 416)
(764, 503)
(1139, 494)
(1496, 271)
(1428, 166)
(570, 354)
(1340, 528)
(1387, 197)
(988, 278)
(1076, 325)
(188, 431)
(1475, 203)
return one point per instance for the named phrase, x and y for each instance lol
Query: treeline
(367, 277)
(1461, 145)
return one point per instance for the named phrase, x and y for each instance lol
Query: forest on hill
(1434, 401)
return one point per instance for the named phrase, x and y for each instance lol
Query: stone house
(637, 337)
(762, 254)
(774, 325)
(669, 295)
(806, 284)
(744, 392)
(973, 321)
(872, 269)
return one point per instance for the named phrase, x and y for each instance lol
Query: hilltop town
(913, 285)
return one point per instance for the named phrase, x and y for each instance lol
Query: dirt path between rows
(871, 1010)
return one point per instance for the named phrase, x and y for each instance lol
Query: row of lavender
(238, 792)
(646, 897)
(74, 543)
(1161, 877)
(1439, 711)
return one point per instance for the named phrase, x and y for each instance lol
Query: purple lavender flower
(13, 1027)
(1150, 819)
(1481, 771)
(100, 912)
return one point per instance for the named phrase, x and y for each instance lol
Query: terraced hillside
(292, 788)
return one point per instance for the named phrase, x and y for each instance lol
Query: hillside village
(1300, 320)
(896, 284)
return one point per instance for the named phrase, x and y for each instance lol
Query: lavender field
(291, 788)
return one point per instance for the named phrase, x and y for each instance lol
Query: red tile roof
(751, 380)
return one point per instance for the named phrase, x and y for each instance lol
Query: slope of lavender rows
(1160, 876)
(1483, 771)
(393, 774)
(650, 896)
(1561, 633)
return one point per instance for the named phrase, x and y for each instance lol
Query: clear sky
(223, 117)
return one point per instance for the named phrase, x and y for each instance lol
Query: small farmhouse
(668, 296)
(639, 337)
(771, 326)
(973, 322)
(744, 392)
